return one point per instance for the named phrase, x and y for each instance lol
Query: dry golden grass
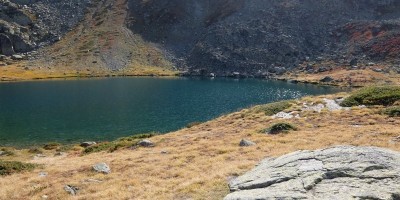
(200, 159)
(355, 78)
(17, 72)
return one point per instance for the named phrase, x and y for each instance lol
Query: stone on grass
(102, 168)
(146, 143)
(246, 143)
(87, 144)
(342, 172)
(43, 174)
(71, 189)
(283, 115)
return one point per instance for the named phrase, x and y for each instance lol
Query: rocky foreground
(342, 172)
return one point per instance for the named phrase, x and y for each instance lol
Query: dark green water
(104, 109)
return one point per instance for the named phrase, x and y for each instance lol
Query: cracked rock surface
(343, 172)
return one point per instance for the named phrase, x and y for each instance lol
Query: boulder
(102, 168)
(342, 172)
(6, 46)
(146, 143)
(246, 143)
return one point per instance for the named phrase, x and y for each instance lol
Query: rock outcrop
(342, 172)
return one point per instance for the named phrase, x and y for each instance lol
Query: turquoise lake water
(69, 111)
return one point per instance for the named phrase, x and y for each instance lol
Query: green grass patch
(393, 111)
(52, 146)
(123, 142)
(282, 127)
(11, 167)
(273, 108)
(377, 95)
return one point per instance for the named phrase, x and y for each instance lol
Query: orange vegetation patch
(363, 33)
(389, 46)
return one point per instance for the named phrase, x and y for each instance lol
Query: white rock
(343, 172)
(102, 168)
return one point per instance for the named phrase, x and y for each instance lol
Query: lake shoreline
(338, 78)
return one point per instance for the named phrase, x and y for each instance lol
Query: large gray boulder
(342, 172)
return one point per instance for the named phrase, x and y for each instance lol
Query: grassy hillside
(197, 162)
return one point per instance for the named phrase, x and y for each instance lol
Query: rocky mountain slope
(222, 37)
(258, 36)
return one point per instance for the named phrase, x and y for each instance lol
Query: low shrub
(10, 167)
(274, 108)
(377, 95)
(105, 146)
(279, 128)
(118, 144)
(136, 137)
(393, 111)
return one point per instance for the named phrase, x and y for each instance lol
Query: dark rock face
(31, 24)
(6, 47)
(225, 36)
(342, 172)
